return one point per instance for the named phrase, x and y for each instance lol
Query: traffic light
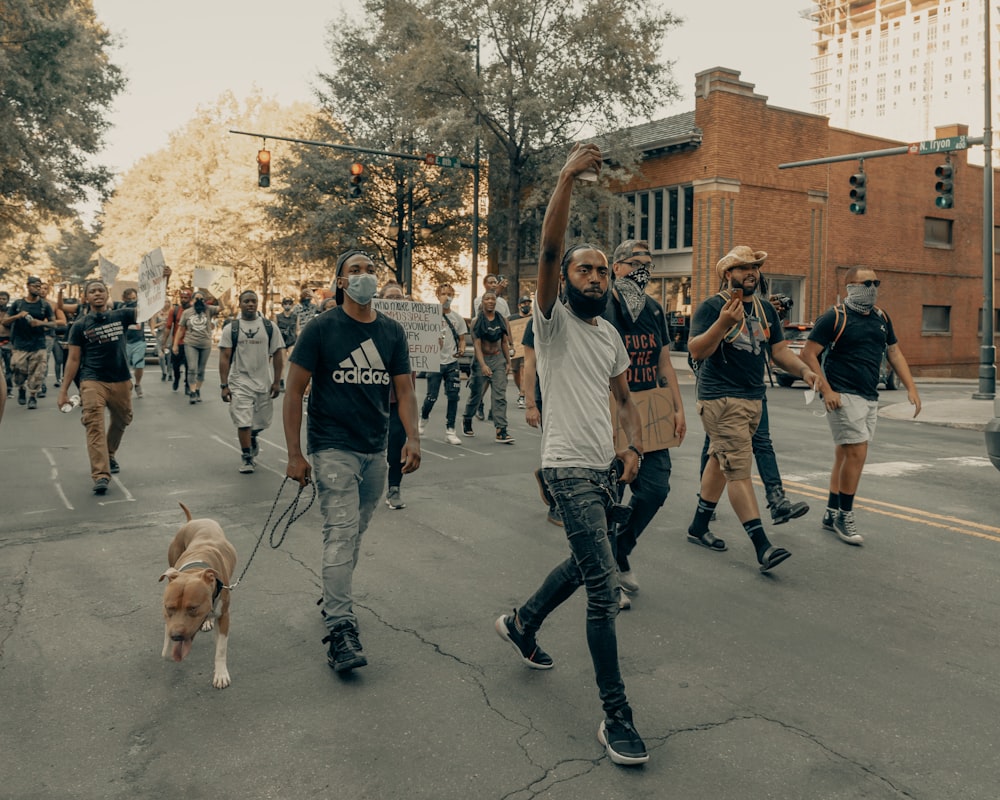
(859, 189)
(263, 168)
(357, 178)
(944, 187)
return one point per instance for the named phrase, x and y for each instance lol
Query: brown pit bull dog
(201, 562)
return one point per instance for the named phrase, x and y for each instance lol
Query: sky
(187, 53)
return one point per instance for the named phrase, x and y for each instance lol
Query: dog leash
(289, 512)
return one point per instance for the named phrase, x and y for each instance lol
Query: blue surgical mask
(361, 288)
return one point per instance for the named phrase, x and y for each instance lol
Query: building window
(662, 217)
(996, 322)
(936, 320)
(937, 233)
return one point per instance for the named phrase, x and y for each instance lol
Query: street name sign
(946, 145)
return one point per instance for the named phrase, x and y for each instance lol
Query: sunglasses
(869, 283)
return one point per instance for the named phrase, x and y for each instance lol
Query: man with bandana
(642, 325)
(854, 337)
(352, 354)
(729, 334)
(579, 356)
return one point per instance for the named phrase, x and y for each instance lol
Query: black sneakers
(504, 437)
(621, 740)
(345, 648)
(467, 426)
(32, 402)
(782, 509)
(101, 486)
(115, 469)
(526, 647)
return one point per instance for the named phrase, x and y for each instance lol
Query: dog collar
(219, 585)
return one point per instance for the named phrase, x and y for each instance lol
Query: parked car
(152, 346)
(796, 334)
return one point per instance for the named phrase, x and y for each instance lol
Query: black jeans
(451, 376)
(649, 491)
(584, 497)
(394, 451)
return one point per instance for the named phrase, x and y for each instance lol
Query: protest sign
(656, 418)
(108, 270)
(215, 280)
(152, 285)
(422, 323)
(517, 327)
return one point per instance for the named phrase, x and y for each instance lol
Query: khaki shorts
(730, 423)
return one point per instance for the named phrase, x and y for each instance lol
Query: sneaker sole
(614, 755)
(857, 539)
(347, 666)
(501, 628)
(395, 508)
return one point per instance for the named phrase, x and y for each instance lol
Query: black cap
(524, 299)
(33, 279)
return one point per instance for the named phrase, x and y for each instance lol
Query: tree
(551, 72)
(58, 86)
(198, 199)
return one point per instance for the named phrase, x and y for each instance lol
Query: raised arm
(581, 158)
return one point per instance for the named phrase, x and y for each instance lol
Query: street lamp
(988, 352)
(475, 183)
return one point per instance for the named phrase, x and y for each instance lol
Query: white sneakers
(422, 426)
(451, 437)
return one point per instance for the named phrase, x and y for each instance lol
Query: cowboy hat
(740, 256)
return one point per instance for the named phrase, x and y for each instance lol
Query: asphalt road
(848, 672)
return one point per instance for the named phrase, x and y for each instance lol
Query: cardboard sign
(216, 280)
(108, 270)
(152, 285)
(517, 327)
(422, 323)
(656, 416)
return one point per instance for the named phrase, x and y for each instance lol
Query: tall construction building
(898, 68)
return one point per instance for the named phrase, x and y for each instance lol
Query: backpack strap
(234, 329)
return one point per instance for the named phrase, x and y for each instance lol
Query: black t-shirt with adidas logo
(352, 365)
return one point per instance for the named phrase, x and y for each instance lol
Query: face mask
(640, 275)
(861, 298)
(131, 303)
(446, 303)
(199, 306)
(361, 288)
(526, 309)
(583, 305)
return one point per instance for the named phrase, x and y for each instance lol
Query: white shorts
(252, 410)
(854, 422)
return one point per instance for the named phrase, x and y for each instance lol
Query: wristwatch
(223, 385)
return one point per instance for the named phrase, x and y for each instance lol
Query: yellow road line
(968, 528)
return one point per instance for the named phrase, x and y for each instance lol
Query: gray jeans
(349, 485)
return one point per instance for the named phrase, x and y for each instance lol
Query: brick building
(709, 180)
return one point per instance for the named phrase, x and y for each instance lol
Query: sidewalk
(957, 410)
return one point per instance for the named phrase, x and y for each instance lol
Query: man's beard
(584, 305)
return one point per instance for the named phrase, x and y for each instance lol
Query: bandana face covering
(632, 289)
(861, 298)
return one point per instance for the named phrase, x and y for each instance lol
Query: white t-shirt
(250, 362)
(576, 362)
(448, 345)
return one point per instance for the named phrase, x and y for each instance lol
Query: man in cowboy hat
(729, 334)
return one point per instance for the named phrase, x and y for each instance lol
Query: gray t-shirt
(198, 327)
(250, 363)
(576, 362)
